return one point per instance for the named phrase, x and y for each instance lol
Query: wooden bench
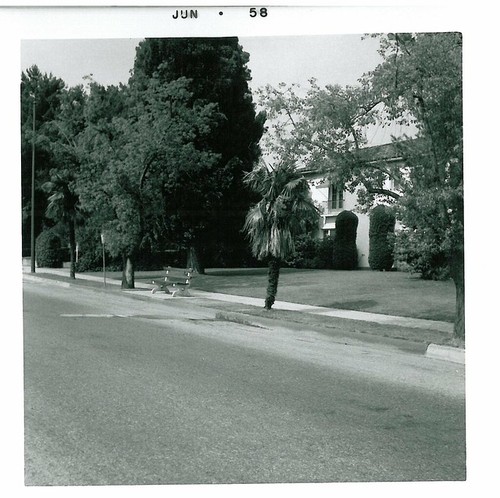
(177, 280)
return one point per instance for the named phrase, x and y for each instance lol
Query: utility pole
(33, 190)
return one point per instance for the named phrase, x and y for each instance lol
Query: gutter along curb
(433, 351)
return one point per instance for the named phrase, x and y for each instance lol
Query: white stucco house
(333, 199)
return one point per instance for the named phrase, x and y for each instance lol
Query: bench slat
(177, 278)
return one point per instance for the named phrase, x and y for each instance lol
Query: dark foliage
(49, 251)
(45, 92)
(345, 253)
(428, 260)
(312, 253)
(382, 222)
(217, 71)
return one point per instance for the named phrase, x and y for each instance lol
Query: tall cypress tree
(217, 72)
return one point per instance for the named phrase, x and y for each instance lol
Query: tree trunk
(457, 274)
(272, 281)
(72, 249)
(459, 326)
(194, 260)
(128, 272)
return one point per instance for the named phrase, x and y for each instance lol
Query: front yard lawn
(392, 293)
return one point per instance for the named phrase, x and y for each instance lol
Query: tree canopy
(216, 72)
(419, 82)
(422, 76)
(154, 163)
(42, 93)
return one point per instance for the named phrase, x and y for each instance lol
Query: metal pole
(103, 259)
(33, 192)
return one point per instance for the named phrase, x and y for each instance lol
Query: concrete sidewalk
(281, 305)
(441, 352)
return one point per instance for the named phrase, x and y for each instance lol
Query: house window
(335, 197)
(395, 185)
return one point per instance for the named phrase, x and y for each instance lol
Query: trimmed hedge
(345, 252)
(49, 251)
(381, 253)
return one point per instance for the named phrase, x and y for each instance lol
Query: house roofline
(383, 153)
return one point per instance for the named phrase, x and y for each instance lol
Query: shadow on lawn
(236, 272)
(356, 305)
(242, 272)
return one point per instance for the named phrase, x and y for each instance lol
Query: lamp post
(103, 258)
(33, 189)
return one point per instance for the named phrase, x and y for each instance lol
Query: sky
(331, 59)
(338, 59)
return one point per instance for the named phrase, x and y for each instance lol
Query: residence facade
(332, 199)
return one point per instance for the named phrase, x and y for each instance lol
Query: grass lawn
(392, 293)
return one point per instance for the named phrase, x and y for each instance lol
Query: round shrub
(49, 251)
(418, 254)
(345, 252)
(381, 254)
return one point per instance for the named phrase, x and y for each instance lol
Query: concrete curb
(236, 318)
(34, 278)
(434, 351)
(417, 323)
(81, 276)
(446, 353)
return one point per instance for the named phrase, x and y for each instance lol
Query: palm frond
(283, 211)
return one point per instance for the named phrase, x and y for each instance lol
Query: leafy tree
(43, 90)
(134, 159)
(93, 152)
(324, 129)
(216, 69)
(419, 83)
(62, 135)
(284, 209)
(421, 77)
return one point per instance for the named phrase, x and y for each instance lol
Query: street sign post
(103, 259)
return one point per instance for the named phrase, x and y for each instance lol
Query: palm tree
(284, 210)
(63, 207)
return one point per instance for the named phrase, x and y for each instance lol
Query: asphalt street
(125, 391)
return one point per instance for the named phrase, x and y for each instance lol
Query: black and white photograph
(244, 259)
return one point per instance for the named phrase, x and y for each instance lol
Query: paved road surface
(124, 391)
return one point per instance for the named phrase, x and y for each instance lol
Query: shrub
(305, 251)
(417, 254)
(311, 252)
(345, 253)
(325, 252)
(49, 251)
(381, 253)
